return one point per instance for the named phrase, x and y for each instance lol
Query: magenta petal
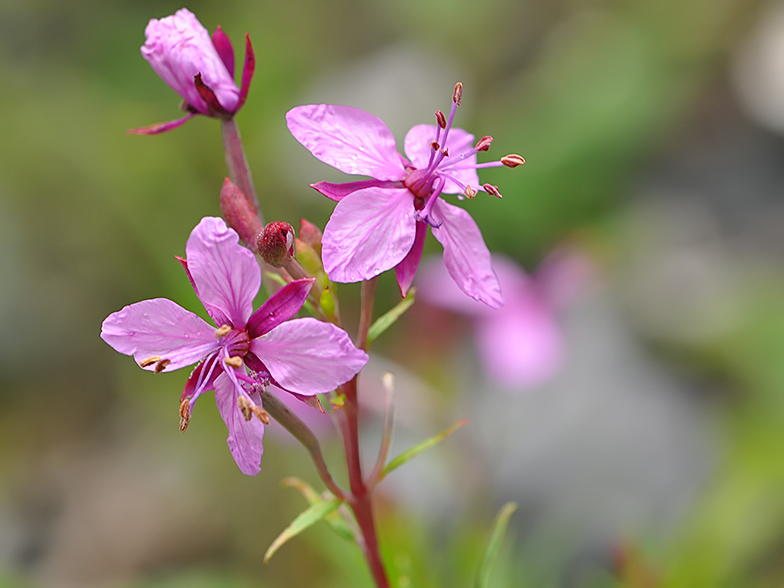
(349, 139)
(161, 127)
(309, 357)
(281, 306)
(337, 192)
(245, 437)
(466, 256)
(370, 231)
(162, 329)
(406, 269)
(520, 346)
(223, 46)
(226, 274)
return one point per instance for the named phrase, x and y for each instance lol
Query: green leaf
(422, 447)
(494, 545)
(334, 519)
(314, 513)
(389, 319)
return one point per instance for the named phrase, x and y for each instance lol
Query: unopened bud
(490, 189)
(441, 119)
(458, 93)
(308, 258)
(275, 243)
(484, 143)
(239, 213)
(512, 160)
(310, 234)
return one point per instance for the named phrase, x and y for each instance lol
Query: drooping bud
(441, 119)
(275, 243)
(458, 93)
(310, 234)
(512, 160)
(484, 143)
(239, 213)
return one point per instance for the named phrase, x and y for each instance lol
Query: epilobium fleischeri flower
(198, 67)
(245, 351)
(380, 224)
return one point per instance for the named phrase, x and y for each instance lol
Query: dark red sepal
(161, 127)
(213, 106)
(223, 46)
(247, 70)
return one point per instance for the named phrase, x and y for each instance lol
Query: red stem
(239, 172)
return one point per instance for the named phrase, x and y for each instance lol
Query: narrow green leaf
(417, 449)
(334, 519)
(387, 320)
(313, 514)
(494, 545)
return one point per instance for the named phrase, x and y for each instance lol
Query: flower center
(236, 342)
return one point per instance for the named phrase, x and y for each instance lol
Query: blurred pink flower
(519, 344)
(301, 356)
(380, 224)
(198, 67)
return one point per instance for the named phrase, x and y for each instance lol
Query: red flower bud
(276, 243)
(239, 213)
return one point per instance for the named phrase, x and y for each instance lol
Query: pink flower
(520, 344)
(198, 67)
(247, 351)
(380, 224)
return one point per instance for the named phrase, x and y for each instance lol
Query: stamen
(469, 192)
(441, 119)
(512, 160)
(222, 330)
(484, 143)
(235, 362)
(424, 214)
(435, 146)
(490, 189)
(149, 361)
(249, 410)
(161, 365)
(185, 414)
(458, 93)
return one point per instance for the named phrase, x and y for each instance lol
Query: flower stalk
(237, 164)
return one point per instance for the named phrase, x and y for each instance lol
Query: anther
(484, 143)
(490, 189)
(185, 414)
(235, 362)
(435, 146)
(512, 160)
(161, 365)
(149, 361)
(249, 410)
(222, 330)
(469, 192)
(458, 93)
(441, 119)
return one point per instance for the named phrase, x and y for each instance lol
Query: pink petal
(159, 328)
(417, 148)
(466, 256)
(370, 231)
(316, 421)
(521, 346)
(245, 437)
(349, 139)
(281, 306)
(337, 192)
(178, 47)
(309, 357)
(406, 269)
(226, 274)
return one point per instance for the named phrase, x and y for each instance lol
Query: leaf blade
(494, 544)
(314, 513)
(411, 453)
(388, 319)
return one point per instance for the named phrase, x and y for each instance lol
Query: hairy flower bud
(310, 234)
(276, 243)
(239, 213)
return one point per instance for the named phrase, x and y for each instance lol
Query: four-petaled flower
(247, 351)
(198, 67)
(381, 223)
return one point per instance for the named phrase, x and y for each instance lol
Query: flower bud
(276, 243)
(310, 234)
(239, 213)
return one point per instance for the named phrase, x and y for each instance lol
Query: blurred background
(645, 444)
